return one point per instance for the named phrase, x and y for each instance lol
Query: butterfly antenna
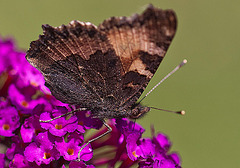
(169, 74)
(182, 112)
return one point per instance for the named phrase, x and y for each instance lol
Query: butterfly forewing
(141, 42)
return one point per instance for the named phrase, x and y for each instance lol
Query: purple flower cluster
(27, 143)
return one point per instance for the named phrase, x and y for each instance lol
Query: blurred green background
(207, 88)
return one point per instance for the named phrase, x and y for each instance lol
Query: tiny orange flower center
(47, 155)
(134, 153)
(70, 151)
(58, 126)
(6, 126)
(34, 83)
(24, 103)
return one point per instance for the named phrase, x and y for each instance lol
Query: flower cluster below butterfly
(103, 69)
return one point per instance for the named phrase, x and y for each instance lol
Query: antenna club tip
(182, 112)
(182, 63)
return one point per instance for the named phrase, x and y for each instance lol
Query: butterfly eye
(139, 111)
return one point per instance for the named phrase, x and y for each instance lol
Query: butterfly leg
(94, 139)
(71, 112)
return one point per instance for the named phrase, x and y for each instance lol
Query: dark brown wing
(78, 62)
(105, 67)
(141, 42)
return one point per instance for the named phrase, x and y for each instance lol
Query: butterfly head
(138, 111)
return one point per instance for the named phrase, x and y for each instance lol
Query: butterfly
(104, 68)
